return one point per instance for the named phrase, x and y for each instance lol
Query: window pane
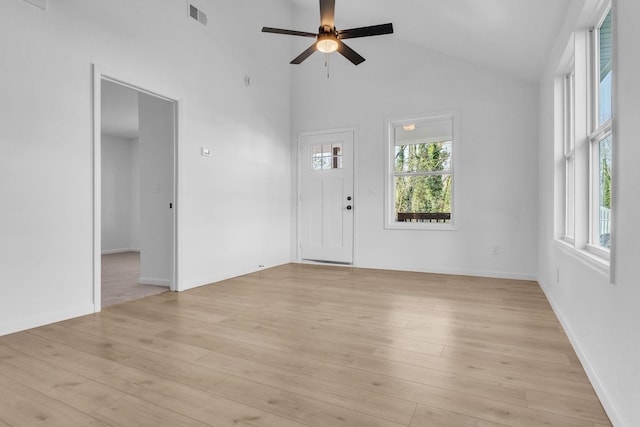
(430, 157)
(604, 107)
(424, 197)
(604, 230)
(569, 195)
(569, 113)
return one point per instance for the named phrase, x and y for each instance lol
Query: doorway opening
(135, 133)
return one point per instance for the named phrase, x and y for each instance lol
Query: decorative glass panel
(327, 156)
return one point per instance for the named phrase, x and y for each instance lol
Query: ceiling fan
(329, 39)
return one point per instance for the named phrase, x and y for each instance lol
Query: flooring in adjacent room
(120, 273)
(303, 345)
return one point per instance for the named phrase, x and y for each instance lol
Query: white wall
(118, 197)
(601, 318)
(497, 178)
(233, 208)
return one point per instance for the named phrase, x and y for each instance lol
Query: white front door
(326, 197)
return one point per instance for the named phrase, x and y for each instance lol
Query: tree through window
(421, 171)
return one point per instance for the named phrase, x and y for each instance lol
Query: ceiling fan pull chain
(326, 63)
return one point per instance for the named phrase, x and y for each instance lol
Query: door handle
(349, 207)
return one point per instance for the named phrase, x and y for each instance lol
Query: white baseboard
(458, 272)
(154, 281)
(46, 319)
(238, 273)
(119, 251)
(605, 398)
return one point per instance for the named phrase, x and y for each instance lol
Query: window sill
(595, 262)
(421, 227)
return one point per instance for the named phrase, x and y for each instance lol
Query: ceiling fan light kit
(328, 39)
(327, 43)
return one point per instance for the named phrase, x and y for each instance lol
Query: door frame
(356, 197)
(98, 75)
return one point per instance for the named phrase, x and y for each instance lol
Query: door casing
(98, 75)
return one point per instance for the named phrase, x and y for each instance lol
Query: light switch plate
(206, 152)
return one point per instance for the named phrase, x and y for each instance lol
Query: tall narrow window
(420, 165)
(601, 140)
(584, 150)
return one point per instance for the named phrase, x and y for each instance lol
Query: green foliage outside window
(423, 178)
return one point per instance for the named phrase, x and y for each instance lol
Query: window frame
(569, 155)
(584, 131)
(390, 173)
(598, 132)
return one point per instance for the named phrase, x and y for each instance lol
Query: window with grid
(585, 150)
(420, 182)
(601, 138)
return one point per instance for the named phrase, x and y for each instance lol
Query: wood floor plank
(306, 345)
(104, 403)
(589, 410)
(488, 372)
(294, 406)
(197, 404)
(359, 359)
(187, 400)
(130, 356)
(180, 351)
(427, 416)
(111, 316)
(518, 364)
(485, 408)
(299, 362)
(64, 386)
(385, 407)
(23, 406)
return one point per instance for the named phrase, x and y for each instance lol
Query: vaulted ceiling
(511, 36)
(514, 36)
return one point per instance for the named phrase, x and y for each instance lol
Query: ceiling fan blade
(288, 32)
(327, 12)
(373, 30)
(304, 55)
(350, 54)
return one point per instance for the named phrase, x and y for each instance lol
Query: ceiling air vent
(197, 14)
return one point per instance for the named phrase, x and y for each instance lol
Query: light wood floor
(306, 346)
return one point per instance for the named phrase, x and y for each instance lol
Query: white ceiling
(514, 36)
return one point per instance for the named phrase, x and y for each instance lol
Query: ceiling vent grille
(197, 14)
